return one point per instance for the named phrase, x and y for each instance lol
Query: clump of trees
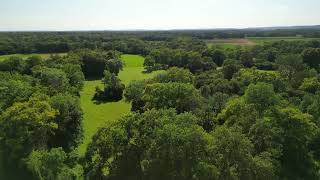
(164, 58)
(40, 111)
(172, 89)
(163, 145)
(95, 62)
(113, 88)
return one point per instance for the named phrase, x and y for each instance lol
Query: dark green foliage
(310, 85)
(149, 64)
(194, 61)
(291, 67)
(230, 67)
(140, 42)
(94, 63)
(113, 88)
(53, 165)
(247, 76)
(212, 82)
(114, 66)
(297, 131)
(14, 88)
(133, 93)
(32, 121)
(311, 104)
(164, 145)
(256, 116)
(239, 113)
(52, 79)
(216, 55)
(311, 56)
(32, 62)
(261, 95)
(175, 74)
(183, 97)
(75, 75)
(13, 64)
(69, 120)
(153, 145)
(25, 127)
(232, 152)
(211, 106)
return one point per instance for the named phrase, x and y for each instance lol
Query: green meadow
(96, 115)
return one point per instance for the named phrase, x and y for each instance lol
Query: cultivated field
(251, 41)
(96, 115)
(262, 40)
(229, 43)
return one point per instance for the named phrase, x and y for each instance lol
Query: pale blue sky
(154, 14)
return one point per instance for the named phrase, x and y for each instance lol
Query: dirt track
(245, 42)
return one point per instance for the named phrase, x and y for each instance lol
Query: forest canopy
(209, 112)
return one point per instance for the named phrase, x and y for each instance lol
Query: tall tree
(69, 133)
(183, 97)
(311, 56)
(53, 165)
(25, 127)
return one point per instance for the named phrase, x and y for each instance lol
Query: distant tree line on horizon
(135, 42)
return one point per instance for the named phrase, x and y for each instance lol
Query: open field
(96, 115)
(229, 43)
(251, 41)
(261, 40)
(45, 56)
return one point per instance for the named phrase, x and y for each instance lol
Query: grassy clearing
(24, 56)
(96, 115)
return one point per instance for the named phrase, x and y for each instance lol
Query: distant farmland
(252, 41)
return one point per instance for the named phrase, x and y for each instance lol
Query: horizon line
(169, 29)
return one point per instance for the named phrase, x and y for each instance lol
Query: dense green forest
(246, 112)
(132, 42)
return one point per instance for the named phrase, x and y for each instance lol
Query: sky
(57, 15)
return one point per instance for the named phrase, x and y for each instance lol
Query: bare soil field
(240, 42)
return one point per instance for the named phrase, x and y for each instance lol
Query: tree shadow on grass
(93, 78)
(98, 101)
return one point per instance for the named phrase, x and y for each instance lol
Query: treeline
(134, 42)
(199, 58)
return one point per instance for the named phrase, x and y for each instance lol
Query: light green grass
(131, 61)
(24, 56)
(96, 115)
